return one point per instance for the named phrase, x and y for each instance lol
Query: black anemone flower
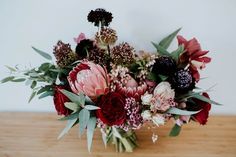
(164, 65)
(100, 16)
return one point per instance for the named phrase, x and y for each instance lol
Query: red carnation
(205, 107)
(193, 55)
(112, 111)
(60, 99)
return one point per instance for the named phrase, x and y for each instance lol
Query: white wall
(41, 23)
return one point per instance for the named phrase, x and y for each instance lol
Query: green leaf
(7, 79)
(165, 43)
(175, 130)
(44, 89)
(162, 51)
(78, 99)
(72, 106)
(44, 66)
(177, 111)
(10, 68)
(152, 76)
(69, 125)
(70, 117)
(91, 107)
(162, 77)
(43, 54)
(175, 54)
(205, 99)
(18, 80)
(90, 131)
(45, 94)
(32, 96)
(34, 83)
(84, 116)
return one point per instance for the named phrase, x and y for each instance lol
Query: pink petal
(79, 38)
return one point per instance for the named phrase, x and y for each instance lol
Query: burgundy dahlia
(112, 109)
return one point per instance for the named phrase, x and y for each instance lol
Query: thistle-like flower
(100, 16)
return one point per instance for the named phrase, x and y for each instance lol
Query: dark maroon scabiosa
(83, 47)
(164, 65)
(60, 99)
(122, 54)
(100, 16)
(112, 109)
(64, 54)
(182, 81)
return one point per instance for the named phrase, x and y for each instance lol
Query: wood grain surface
(35, 135)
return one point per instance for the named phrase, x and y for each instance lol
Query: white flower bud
(146, 99)
(164, 90)
(158, 119)
(146, 115)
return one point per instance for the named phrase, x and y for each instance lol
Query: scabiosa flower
(100, 16)
(84, 47)
(122, 54)
(106, 36)
(193, 55)
(123, 83)
(182, 81)
(164, 65)
(90, 79)
(64, 55)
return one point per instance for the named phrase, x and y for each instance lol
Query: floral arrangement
(110, 86)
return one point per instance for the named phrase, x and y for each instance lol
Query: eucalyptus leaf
(91, 107)
(90, 131)
(165, 43)
(69, 125)
(205, 99)
(84, 116)
(34, 83)
(44, 89)
(10, 68)
(175, 130)
(162, 51)
(70, 117)
(7, 79)
(174, 110)
(32, 96)
(72, 106)
(78, 99)
(45, 94)
(43, 54)
(162, 77)
(18, 80)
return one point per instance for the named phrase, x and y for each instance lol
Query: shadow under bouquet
(109, 86)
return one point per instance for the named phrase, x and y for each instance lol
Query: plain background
(42, 23)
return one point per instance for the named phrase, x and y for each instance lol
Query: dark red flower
(60, 99)
(205, 107)
(193, 55)
(112, 109)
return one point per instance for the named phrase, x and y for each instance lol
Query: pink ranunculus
(79, 38)
(90, 79)
(193, 55)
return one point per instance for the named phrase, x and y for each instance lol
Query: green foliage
(176, 54)
(165, 43)
(175, 130)
(43, 54)
(78, 99)
(7, 79)
(72, 106)
(69, 125)
(177, 111)
(161, 50)
(84, 116)
(90, 131)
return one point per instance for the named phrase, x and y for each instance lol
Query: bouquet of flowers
(110, 86)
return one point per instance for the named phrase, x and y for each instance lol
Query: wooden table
(34, 135)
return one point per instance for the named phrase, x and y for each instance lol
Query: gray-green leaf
(90, 131)
(78, 99)
(177, 111)
(175, 130)
(43, 54)
(32, 96)
(165, 43)
(72, 106)
(91, 107)
(7, 79)
(205, 99)
(18, 80)
(175, 54)
(161, 50)
(84, 116)
(69, 125)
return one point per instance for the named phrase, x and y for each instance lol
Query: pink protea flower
(193, 55)
(131, 88)
(90, 79)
